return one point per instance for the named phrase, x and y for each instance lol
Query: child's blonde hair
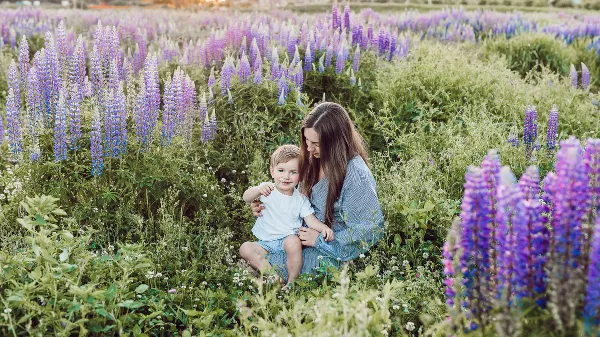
(284, 153)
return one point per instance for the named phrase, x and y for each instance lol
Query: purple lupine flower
(282, 86)
(591, 311)
(13, 83)
(513, 137)
(60, 130)
(339, 62)
(509, 214)
(585, 76)
(475, 243)
(352, 78)
(211, 79)
(529, 130)
(96, 144)
(347, 17)
(213, 125)
(328, 55)
(299, 98)
(203, 107)
(299, 76)
(490, 167)
(573, 74)
(532, 246)
(591, 160)
(356, 59)
(552, 134)
(78, 66)
(24, 60)
(568, 193)
(34, 107)
(13, 126)
(254, 51)
(96, 75)
(258, 71)
(169, 113)
(61, 44)
(321, 67)
(244, 69)
(148, 102)
(226, 73)
(74, 116)
(393, 46)
(334, 17)
(206, 129)
(308, 58)
(281, 100)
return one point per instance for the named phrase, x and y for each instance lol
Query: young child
(285, 207)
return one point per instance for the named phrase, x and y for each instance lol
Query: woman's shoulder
(358, 172)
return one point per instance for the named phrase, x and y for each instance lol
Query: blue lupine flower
(203, 107)
(530, 130)
(96, 144)
(211, 79)
(258, 71)
(585, 76)
(347, 17)
(552, 134)
(169, 113)
(591, 311)
(13, 83)
(513, 137)
(308, 58)
(339, 62)
(24, 60)
(13, 126)
(226, 72)
(328, 55)
(244, 69)
(74, 116)
(573, 75)
(282, 86)
(60, 130)
(356, 59)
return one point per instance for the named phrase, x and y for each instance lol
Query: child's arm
(314, 223)
(256, 191)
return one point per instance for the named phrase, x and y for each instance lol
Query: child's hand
(266, 188)
(328, 234)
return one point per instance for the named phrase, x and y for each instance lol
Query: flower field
(130, 136)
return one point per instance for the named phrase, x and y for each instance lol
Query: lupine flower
(339, 62)
(352, 78)
(244, 71)
(591, 311)
(328, 55)
(34, 110)
(475, 243)
(530, 130)
(61, 45)
(573, 75)
(356, 60)
(585, 76)
(74, 116)
(347, 17)
(299, 76)
(60, 130)
(13, 126)
(308, 58)
(450, 255)
(513, 137)
(13, 83)
(203, 107)
(283, 87)
(258, 71)
(206, 129)
(254, 51)
(24, 60)
(281, 100)
(591, 161)
(226, 73)
(299, 98)
(211, 79)
(169, 112)
(334, 17)
(552, 134)
(569, 193)
(96, 144)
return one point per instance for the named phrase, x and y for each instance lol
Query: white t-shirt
(282, 215)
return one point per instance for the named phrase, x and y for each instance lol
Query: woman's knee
(292, 242)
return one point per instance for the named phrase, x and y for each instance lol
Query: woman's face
(312, 142)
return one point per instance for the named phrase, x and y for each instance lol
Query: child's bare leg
(293, 249)
(255, 255)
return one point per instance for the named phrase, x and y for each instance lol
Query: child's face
(288, 172)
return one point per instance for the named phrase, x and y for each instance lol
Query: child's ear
(271, 170)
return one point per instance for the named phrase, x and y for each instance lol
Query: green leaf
(39, 220)
(398, 240)
(64, 255)
(141, 288)
(104, 313)
(110, 292)
(74, 307)
(131, 304)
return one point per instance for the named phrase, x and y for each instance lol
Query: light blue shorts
(273, 246)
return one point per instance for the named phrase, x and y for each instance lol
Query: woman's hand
(308, 236)
(257, 207)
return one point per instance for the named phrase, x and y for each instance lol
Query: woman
(335, 176)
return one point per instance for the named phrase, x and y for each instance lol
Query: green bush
(530, 52)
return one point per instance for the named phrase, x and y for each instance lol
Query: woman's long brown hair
(338, 143)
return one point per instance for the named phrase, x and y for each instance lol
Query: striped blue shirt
(358, 221)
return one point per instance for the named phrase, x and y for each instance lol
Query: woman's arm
(362, 215)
